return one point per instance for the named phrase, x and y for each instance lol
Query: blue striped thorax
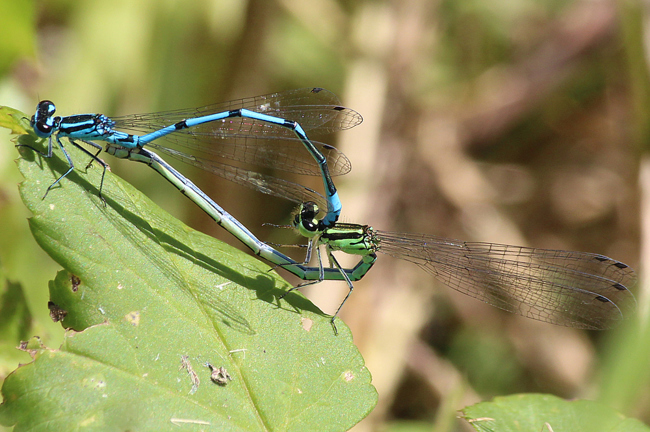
(81, 126)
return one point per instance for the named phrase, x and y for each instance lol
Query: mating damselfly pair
(576, 289)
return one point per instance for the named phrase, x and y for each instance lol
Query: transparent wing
(252, 141)
(316, 109)
(285, 154)
(262, 183)
(574, 289)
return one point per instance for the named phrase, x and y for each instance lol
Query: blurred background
(510, 121)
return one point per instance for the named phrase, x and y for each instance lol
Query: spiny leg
(67, 156)
(336, 264)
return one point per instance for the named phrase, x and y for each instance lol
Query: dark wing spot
(603, 299)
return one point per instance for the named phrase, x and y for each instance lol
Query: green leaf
(547, 413)
(15, 324)
(149, 301)
(11, 119)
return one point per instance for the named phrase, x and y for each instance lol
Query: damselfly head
(42, 120)
(305, 219)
